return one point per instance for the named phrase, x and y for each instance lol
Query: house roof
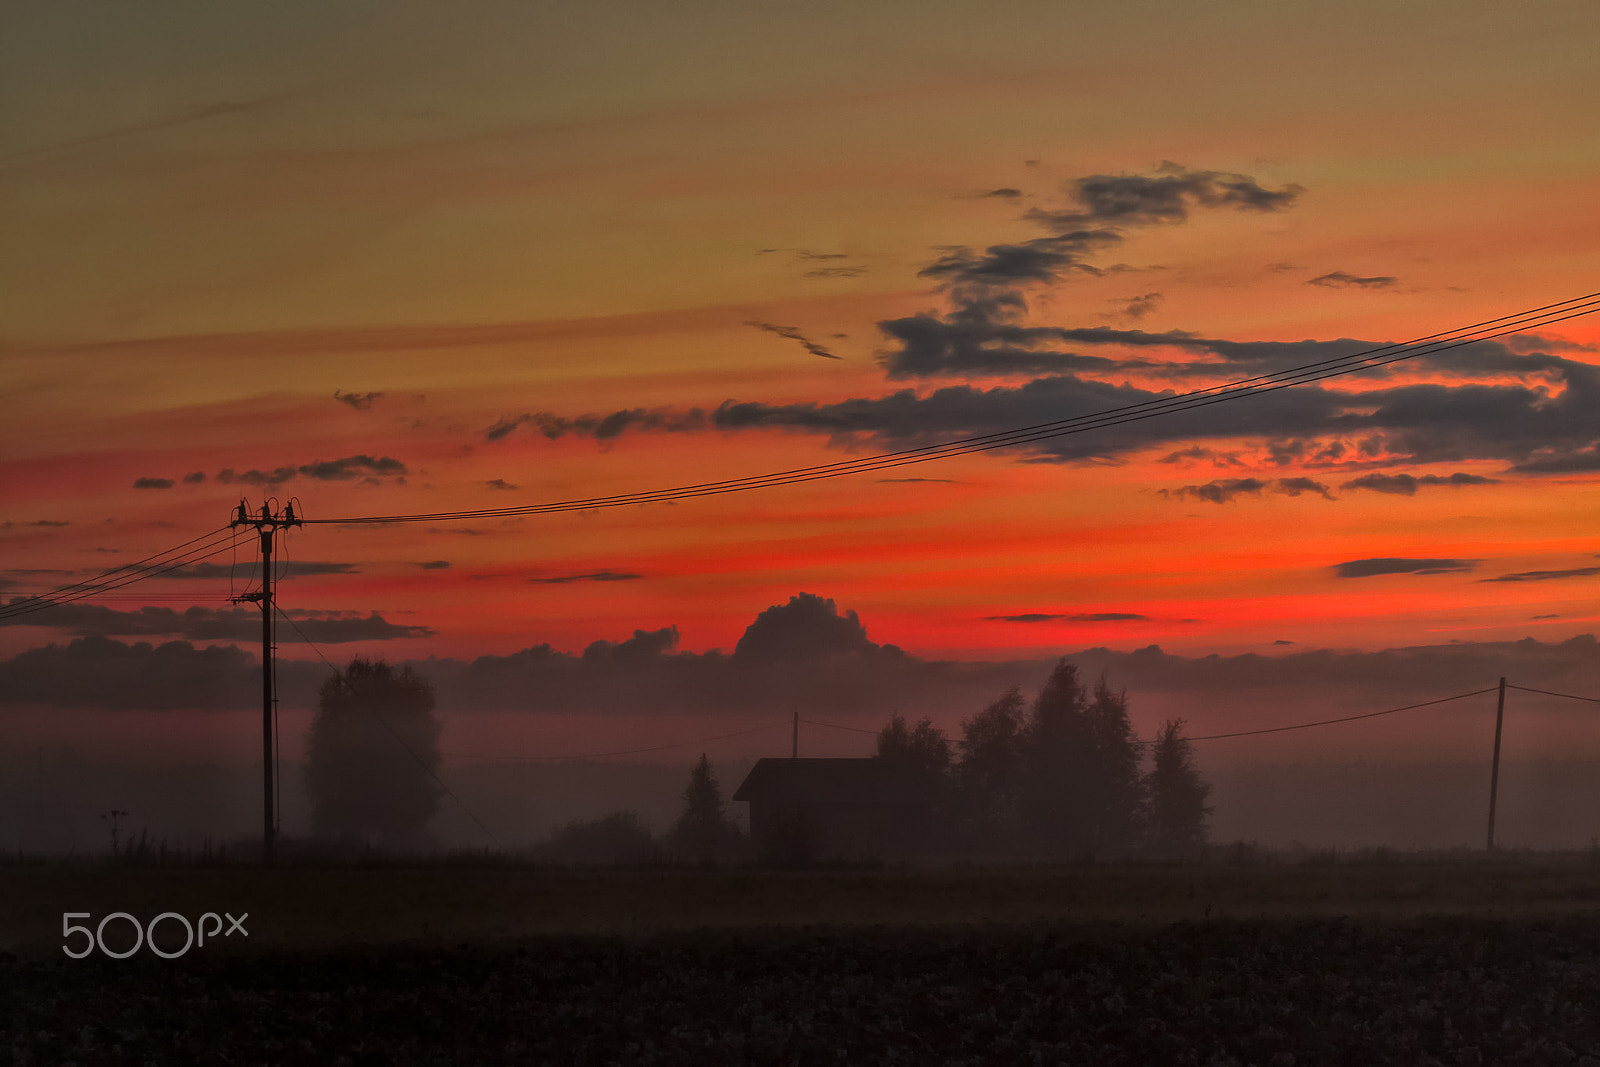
(857, 780)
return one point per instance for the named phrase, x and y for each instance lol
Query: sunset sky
(396, 259)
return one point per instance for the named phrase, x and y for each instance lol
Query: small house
(826, 809)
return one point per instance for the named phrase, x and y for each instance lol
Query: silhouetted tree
(922, 754)
(924, 747)
(1080, 789)
(1176, 795)
(1056, 793)
(1119, 803)
(703, 832)
(988, 777)
(373, 753)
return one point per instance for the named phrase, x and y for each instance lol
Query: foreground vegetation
(1336, 990)
(1250, 958)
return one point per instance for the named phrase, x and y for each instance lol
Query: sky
(409, 259)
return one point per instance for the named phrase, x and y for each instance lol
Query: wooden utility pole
(1494, 771)
(267, 524)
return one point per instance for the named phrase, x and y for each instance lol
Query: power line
(836, 726)
(106, 575)
(32, 604)
(1347, 718)
(1382, 355)
(164, 563)
(1280, 729)
(1548, 693)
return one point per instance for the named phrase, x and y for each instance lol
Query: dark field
(1403, 963)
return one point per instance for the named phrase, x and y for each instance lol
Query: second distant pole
(1494, 767)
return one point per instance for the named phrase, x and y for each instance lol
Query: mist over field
(52, 802)
(541, 738)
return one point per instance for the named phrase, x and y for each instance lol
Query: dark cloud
(1536, 428)
(194, 478)
(835, 272)
(153, 483)
(1006, 193)
(958, 341)
(97, 672)
(434, 564)
(1166, 196)
(1381, 679)
(1137, 307)
(44, 523)
(265, 479)
(981, 340)
(1527, 343)
(1221, 491)
(210, 624)
(591, 576)
(1100, 208)
(793, 333)
(896, 481)
(1406, 484)
(1561, 461)
(1340, 280)
(984, 336)
(1226, 490)
(500, 483)
(346, 469)
(600, 427)
(802, 651)
(1545, 576)
(352, 467)
(1541, 424)
(358, 401)
(1296, 486)
(1368, 568)
(294, 568)
(907, 419)
(807, 627)
(806, 655)
(1100, 616)
(1043, 259)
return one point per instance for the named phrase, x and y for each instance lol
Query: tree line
(372, 763)
(1063, 776)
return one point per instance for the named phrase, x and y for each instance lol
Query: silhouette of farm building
(836, 809)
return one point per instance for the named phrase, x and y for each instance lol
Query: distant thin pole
(794, 748)
(1494, 772)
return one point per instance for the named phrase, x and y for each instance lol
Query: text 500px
(194, 934)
